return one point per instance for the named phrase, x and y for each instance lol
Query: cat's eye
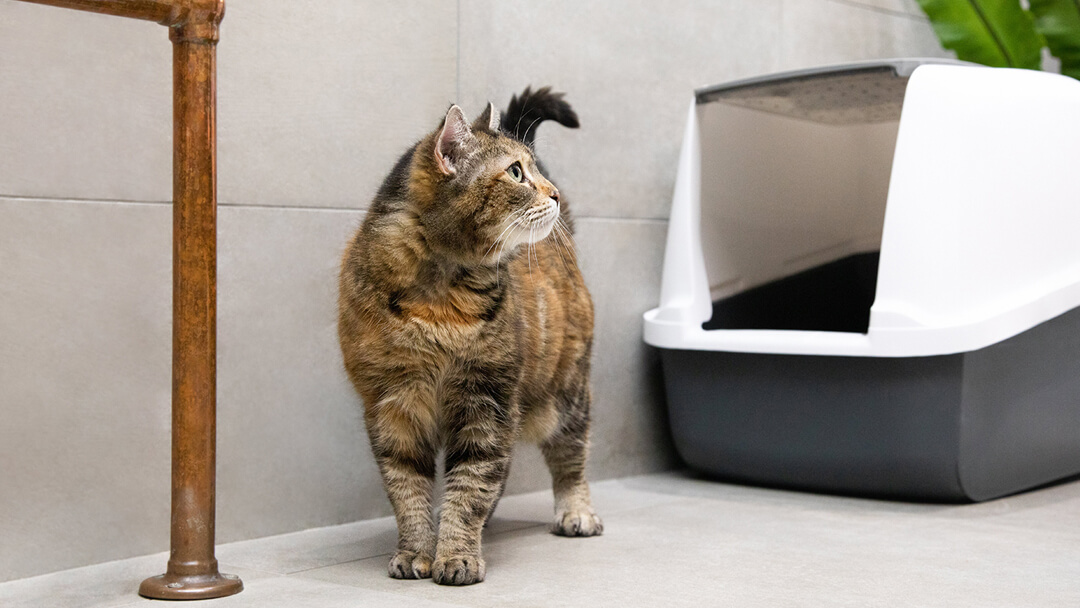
(515, 172)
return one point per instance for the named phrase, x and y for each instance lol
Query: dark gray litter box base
(969, 426)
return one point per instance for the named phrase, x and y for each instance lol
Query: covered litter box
(872, 279)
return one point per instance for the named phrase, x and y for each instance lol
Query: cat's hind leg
(565, 452)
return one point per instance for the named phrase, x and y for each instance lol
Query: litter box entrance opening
(832, 297)
(794, 179)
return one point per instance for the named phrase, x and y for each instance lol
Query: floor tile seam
(666, 503)
(389, 519)
(286, 572)
(771, 497)
(163, 554)
(400, 594)
(1033, 530)
(240, 564)
(232, 567)
(529, 526)
(282, 535)
(388, 554)
(366, 589)
(673, 498)
(301, 573)
(304, 576)
(765, 503)
(891, 518)
(908, 519)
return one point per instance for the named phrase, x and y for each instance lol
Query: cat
(464, 326)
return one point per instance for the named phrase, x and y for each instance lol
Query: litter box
(872, 278)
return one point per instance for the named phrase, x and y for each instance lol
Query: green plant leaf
(1059, 23)
(992, 32)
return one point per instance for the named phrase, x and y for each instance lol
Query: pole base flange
(190, 587)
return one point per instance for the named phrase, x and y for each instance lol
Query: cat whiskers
(552, 212)
(563, 240)
(499, 238)
(567, 238)
(531, 218)
(512, 227)
(525, 136)
(518, 123)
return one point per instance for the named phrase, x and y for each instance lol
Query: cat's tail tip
(527, 110)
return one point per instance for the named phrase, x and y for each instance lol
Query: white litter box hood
(965, 178)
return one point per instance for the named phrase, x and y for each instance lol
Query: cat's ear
(454, 141)
(488, 119)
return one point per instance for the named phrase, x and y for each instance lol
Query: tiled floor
(670, 540)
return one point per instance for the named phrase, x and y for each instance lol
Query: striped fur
(465, 325)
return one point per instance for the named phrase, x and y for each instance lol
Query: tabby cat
(465, 326)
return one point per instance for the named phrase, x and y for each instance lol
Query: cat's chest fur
(454, 311)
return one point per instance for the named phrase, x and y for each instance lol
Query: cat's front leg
(479, 437)
(402, 430)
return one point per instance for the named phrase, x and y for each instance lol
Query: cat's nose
(554, 194)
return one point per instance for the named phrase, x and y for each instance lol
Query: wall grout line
(293, 207)
(43, 199)
(613, 218)
(457, 58)
(76, 200)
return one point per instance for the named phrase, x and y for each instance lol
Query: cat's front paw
(410, 564)
(578, 522)
(458, 570)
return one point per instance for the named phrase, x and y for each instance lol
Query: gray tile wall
(314, 106)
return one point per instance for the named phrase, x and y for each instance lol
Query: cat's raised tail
(527, 110)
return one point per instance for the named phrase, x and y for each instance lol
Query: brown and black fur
(463, 331)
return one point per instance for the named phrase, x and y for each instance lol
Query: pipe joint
(195, 21)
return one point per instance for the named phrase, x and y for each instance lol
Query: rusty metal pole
(192, 571)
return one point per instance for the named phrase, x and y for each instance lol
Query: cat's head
(478, 191)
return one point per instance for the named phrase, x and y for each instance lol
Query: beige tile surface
(286, 592)
(853, 34)
(116, 584)
(762, 548)
(320, 547)
(899, 7)
(622, 262)
(292, 450)
(314, 106)
(316, 102)
(670, 539)
(84, 383)
(317, 548)
(85, 105)
(107, 585)
(628, 68)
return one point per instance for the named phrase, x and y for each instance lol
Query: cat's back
(383, 223)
